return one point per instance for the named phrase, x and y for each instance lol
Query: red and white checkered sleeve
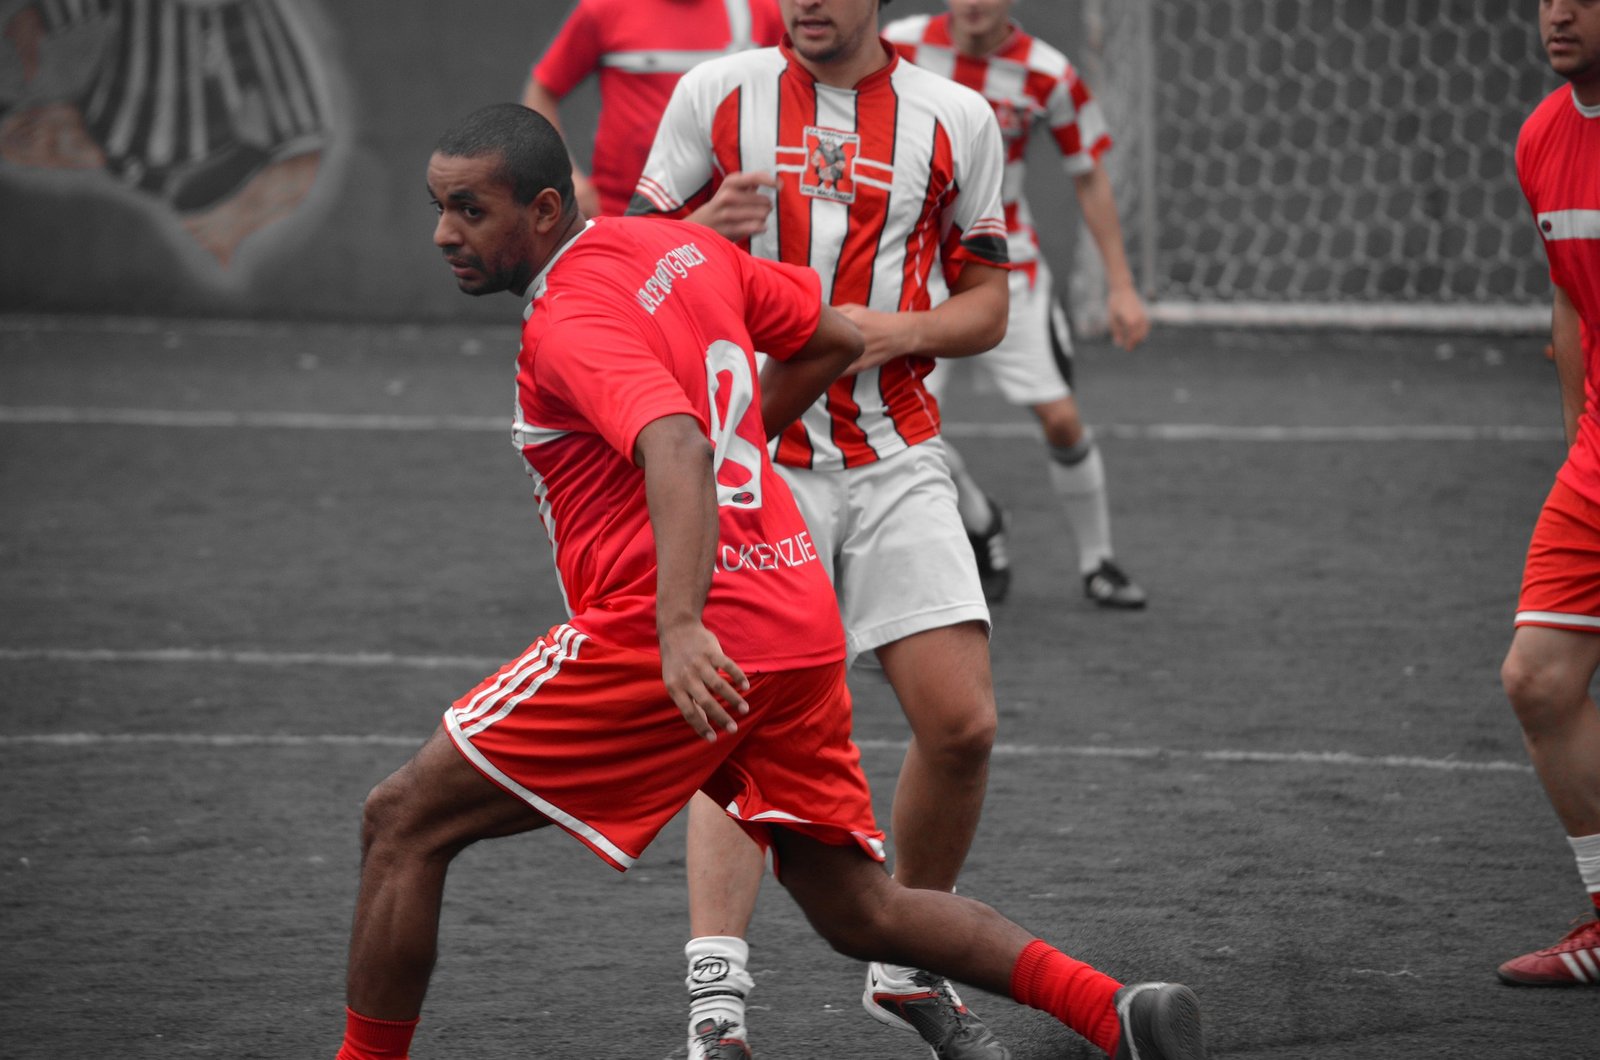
(1077, 123)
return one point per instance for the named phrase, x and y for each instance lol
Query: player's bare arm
(740, 206)
(790, 387)
(970, 321)
(536, 97)
(1566, 342)
(682, 497)
(1125, 310)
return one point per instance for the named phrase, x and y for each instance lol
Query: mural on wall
(219, 112)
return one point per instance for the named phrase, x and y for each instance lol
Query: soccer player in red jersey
(638, 49)
(703, 648)
(1555, 650)
(1032, 86)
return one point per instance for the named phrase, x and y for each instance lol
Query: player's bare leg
(942, 679)
(864, 914)
(1547, 674)
(413, 824)
(725, 867)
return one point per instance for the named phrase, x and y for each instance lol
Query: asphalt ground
(244, 567)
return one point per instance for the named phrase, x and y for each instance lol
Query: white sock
(717, 981)
(1079, 478)
(971, 501)
(1586, 848)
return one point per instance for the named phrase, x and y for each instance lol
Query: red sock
(368, 1039)
(1071, 991)
(1594, 896)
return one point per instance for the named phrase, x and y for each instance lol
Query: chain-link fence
(1308, 161)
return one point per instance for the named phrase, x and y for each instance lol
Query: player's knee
(964, 745)
(854, 930)
(1539, 696)
(387, 815)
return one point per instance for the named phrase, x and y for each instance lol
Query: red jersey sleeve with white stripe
(1558, 165)
(640, 319)
(574, 54)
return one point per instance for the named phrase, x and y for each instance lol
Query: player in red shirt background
(1555, 650)
(639, 49)
(1032, 86)
(674, 541)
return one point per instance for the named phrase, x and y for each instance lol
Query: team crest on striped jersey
(830, 164)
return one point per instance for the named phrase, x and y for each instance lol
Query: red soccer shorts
(1561, 580)
(586, 734)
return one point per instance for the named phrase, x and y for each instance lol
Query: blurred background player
(1555, 650)
(639, 48)
(1031, 85)
(831, 152)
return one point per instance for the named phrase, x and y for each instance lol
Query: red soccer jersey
(1030, 85)
(641, 48)
(639, 319)
(1558, 163)
(877, 183)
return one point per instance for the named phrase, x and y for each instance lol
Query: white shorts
(892, 541)
(1033, 363)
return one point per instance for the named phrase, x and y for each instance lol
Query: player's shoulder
(736, 68)
(1546, 121)
(945, 97)
(913, 29)
(1038, 55)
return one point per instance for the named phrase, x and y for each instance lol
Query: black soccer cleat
(1160, 1021)
(1109, 586)
(930, 1007)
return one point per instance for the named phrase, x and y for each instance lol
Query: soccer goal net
(1304, 162)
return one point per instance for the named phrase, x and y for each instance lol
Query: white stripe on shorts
(540, 663)
(1558, 618)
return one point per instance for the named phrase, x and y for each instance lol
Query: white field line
(61, 415)
(480, 664)
(483, 665)
(895, 747)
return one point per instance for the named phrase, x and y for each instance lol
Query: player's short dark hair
(532, 154)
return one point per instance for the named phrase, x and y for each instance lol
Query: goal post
(1311, 163)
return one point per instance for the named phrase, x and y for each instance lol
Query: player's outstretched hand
(703, 682)
(741, 205)
(1129, 321)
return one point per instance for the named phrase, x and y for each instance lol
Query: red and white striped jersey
(1028, 83)
(877, 184)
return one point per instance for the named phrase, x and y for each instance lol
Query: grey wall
(93, 224)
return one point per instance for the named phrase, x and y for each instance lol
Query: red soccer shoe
(1574, 961)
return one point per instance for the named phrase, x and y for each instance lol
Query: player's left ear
(547, 210)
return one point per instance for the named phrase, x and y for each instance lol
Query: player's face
(1570, 30)
(486, 235)
(830, 31)
(980, 19)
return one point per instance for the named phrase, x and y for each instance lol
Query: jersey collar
(1587, 112)
(943, 36)
(880, 76)
(536, 288)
